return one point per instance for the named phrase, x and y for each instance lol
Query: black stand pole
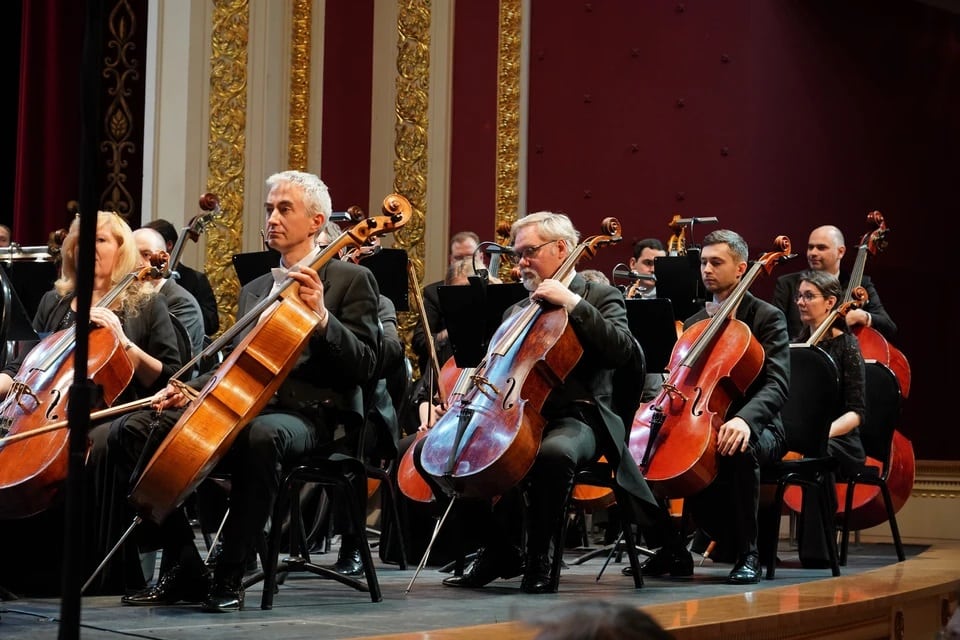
(82, 390)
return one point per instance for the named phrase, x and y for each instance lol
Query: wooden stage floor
(701, 607)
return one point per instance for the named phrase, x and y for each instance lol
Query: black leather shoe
(536, 575)
(225, 596)
(746, 570)
(678, 564)
(348, 563)
(177, 584)
(487, 567)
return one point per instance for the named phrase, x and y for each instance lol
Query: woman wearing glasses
(817, 296)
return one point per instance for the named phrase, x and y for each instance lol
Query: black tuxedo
(198, 285)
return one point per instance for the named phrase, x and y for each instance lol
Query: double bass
(243, 385)
(488, 439)
(674, 436)
(34, 450)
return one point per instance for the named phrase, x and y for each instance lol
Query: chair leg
(891, 516)
(845, 536)
(775, 529)
(272, 556)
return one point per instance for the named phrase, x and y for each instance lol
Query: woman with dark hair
(818, 294)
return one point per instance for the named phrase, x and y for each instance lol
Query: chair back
(882, 411)
(813, 400)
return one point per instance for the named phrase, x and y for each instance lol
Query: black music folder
(473, 313)
(389, 267)
(653, 325)
(31, 280)
(13, 317)
(678, 279)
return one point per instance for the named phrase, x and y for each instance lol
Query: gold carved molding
(120, 71)
(508, 112)
(410, 143)
(226, 147)
(299, 86)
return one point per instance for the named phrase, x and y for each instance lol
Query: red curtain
(48, 136)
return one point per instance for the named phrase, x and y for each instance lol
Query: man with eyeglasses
(825, 249)
(581, 422)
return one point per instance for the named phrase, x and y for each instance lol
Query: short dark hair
(733, 240)
(647, 243)
(166, 229)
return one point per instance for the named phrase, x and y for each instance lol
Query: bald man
(825, 249)
(181, 302)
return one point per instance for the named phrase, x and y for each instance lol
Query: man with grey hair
(181, 302)
(321, 393)
(581, 422)
(825, 249)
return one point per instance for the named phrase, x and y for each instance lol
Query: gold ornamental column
(226, 147)
(410, 143)
(299, 134)
(508, 113)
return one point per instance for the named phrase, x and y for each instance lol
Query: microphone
(498, 248)
(691, 221)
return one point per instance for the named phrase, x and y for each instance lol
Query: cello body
(682, 459)
(33, 470)
(489, 437)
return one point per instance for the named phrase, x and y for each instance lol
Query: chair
(812, 403)
(332, 473)
(877, 434)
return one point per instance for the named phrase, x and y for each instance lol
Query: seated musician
(321, 393)
(645, 253)
(825, 249)
(141, 323)
(818, 294)
(581, 423)
(181, 302)
(752, 434)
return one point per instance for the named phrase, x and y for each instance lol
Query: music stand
(389, 267)
(31, 280)
(678, 278)
(250, 266)
(473, 313)
(652, 324)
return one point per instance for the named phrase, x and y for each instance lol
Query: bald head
(148, 242)
(825, 248)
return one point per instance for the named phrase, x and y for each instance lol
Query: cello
(674, 436)
(34, 451)
(245, 382)
(488, 439)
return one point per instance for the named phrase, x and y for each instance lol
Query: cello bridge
(483, 384)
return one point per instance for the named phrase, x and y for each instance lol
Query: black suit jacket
(198, 285)
(785, 293)
(330, 372)
(761, 403)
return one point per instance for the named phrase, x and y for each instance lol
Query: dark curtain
(48, 114)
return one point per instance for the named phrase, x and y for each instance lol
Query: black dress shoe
(177, 584)
(746, 570)
(225, 596)
(678, 564)
(536, 575)
(487, 567)
(349, 563)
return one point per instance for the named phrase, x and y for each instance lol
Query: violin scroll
(210, 202)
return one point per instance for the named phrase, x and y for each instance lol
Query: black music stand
(31, 280)
(653, 325)
(473, 314)
(250, 266)
(14, 323)
(389, 267)
(678, 278)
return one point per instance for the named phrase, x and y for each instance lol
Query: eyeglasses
(807, 296)
(528, 253)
